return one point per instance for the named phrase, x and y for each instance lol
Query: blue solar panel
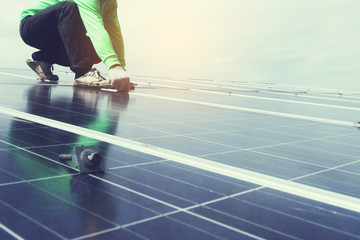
(184, 159)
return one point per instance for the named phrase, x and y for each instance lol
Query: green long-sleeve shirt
(101, 23)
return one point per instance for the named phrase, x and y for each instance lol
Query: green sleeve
(100, 38)
(112, 26)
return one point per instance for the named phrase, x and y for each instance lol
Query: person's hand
(117, 72)
(119, 79)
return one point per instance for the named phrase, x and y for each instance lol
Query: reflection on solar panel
(184, 159)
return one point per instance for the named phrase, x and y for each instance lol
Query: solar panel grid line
(181, 181)
(158, 214)
(288, 158)
(138, 154)
(204, 231)
(337, 142)
(311, 139)
(269, 128)
(306, 163)
(190, 135)
(12, 183)
(42, 146)
(222, 225)
(295, 116)
(7, 172)
(329, 179)
(310, 96)
(260, 167)
(39, 135)
(140, 126)
(327, 170)
(296, 93)
(338, 122)
(234, 94)
(211, 83)
(127, 225)
(303, 209)
(171, 133)
(44, 166)
(322, 208)
(237, 230)
(65, 110)
(294, 142)
(6, 127)
(33, 220)
(132, 223)
(203, 204)
(49, 159)
(162, 130)
(192, 122)
(14, 147)
(206, 141)
(324, 196)
(339, 180)
(316, 89)
(168, 214)
(52, 177)
(253, 149)
(136, 165)
(335, 95)
(34, 179)
(161, 85)
(302, 89)
(339, 94)
(267, 90)
(17, 75)
(13, 234)
(265, 154)
(322, 150)
(94, 234)
(136, 192)
(253, 223)
(156, 189)
(205, 175)
(75, 205)
(171, 205)
(277, 99)
(272, 134)
(299, 218)
(191, 83)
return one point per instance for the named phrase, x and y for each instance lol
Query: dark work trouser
(59, 33)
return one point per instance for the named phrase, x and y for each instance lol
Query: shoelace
(96, 74)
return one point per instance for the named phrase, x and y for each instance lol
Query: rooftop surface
(184, 159)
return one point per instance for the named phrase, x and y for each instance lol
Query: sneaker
(42, 69)
(92, 78)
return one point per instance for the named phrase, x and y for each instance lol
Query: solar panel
(184, 158)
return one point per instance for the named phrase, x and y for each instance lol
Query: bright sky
(307, 42)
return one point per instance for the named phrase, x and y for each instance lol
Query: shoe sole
(77, 83)
(81, 84)
(39, 71)
(122, 85)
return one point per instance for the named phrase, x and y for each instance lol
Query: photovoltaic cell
(145, 196)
